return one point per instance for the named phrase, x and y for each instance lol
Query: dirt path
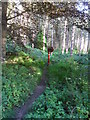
(37, 92)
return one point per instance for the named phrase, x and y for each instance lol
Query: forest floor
(25, 94)
(37, 92)
(21, 75)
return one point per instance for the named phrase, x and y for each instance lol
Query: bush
(11, 46)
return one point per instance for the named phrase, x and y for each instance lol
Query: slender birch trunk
(33, 39)
(52, 37)
(63, 46)
(59, 37)
(77, 44)
(88, 43)
(72, 40)
(80, 47)
(84, 42)
(44, 32)
(47, 33)
(67, 38)
(44, 39)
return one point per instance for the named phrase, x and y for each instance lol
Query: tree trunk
(82, 45)
(44, 39)
(4, 28)
(78, 37)
(0, 31)
(63, 46)
(44, 32)
(52, 37)
(67, 38)
(81, 48)
(33, 39)
(47, 33)
(88, 43)
(72, 41)
(59, 37)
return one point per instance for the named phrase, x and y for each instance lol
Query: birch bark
(72, 40)
(63, 46)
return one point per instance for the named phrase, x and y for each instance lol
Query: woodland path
(37, 92)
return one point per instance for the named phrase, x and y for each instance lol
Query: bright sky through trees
(83, 7)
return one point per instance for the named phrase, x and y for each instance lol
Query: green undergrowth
(81, 59)
(66, 94)
(21, 74)
(37, 53)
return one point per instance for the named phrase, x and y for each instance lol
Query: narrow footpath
(37, 92)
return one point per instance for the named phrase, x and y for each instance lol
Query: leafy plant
(11, 46)
(66, 94)
(21, 74)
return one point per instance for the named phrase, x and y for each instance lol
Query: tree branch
(18, 14)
